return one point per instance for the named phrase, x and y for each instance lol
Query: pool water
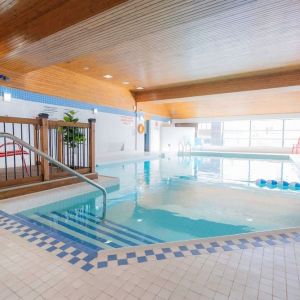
(177, 198)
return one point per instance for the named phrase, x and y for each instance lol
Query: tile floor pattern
(269, 272)
(80, 254)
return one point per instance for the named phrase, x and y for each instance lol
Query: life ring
(141, 128)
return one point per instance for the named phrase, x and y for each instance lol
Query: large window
(236, 133)
(266, 133)
(250, 133)
(291, 132)
(210, 133)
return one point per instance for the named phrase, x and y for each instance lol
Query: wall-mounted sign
(127, 120)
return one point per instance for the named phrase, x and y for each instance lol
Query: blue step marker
(272, 184)
(261, 182)
(283, 185)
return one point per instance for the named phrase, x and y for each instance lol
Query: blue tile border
(74, 254)
(23, 95)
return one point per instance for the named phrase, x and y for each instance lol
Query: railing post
(44, 144)
(92, 163)
(59, 145)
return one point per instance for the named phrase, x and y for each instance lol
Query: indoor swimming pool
(174, 199)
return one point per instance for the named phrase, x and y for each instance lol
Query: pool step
(89, 229)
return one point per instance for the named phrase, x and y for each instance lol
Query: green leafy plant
(72, 136)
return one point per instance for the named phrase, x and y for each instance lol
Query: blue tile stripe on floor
(49, 241)
(101, 260)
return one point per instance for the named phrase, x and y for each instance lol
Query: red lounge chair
(296, 148)
(15, 152)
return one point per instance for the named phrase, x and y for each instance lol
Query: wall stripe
(18, 94)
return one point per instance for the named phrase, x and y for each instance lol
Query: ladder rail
(60, 165)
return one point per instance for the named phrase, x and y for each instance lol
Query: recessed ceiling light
(108, 76)
(139, 88)
(125, 82)
(86, 68)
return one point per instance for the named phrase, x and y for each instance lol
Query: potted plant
(73, 137)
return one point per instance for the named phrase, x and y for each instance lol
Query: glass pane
(236, 134)
(292, 124)
(266, 143)
(267, 125)
(236, 142)
(267, 134)
(290, 142)
(292, 135)
(237, 125)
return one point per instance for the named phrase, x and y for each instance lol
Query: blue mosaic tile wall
(53, 100)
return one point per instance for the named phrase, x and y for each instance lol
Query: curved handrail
(60, 165)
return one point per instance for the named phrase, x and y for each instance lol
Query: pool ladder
(60, 165)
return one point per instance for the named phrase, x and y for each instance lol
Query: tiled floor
(268, 272)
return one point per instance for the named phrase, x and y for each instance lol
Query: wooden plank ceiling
(150, 43)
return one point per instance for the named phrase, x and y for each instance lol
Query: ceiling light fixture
(86, 68)
(139, 88)
(108, 76)
(126, 82)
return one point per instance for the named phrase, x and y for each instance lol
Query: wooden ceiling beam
(222, 86)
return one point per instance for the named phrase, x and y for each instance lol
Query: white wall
(114, 132)
(171, 137)
(155, 134)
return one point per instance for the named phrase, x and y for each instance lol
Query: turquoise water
(177, 198)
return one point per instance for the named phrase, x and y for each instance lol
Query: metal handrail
(60, 165)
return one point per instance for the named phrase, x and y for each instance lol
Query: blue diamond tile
(51, 249)
(183, 248)
(215, 244)
(283, 235)
(211, 250)
(142, 259)
(74, 260)
(90, 257)
(122, 262)
(41, 244)
(178, 254)
(230, 243)
(54, 242)
(270, 242)
(102, 264)
(112, 257)
(243, 241)
(242, 246)
(87, 267)
(149, 252)
(32, 239)
(166, 250)
(160, 256)
(227, 248)
(195, 252)
(24, 234)
(257, 244)
(76, 252)
(131, 255)
(257, 239)
(199, 246)
(65, 247)
(62, 254)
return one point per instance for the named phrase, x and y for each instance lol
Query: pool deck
(264, 266)
(37, 265)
